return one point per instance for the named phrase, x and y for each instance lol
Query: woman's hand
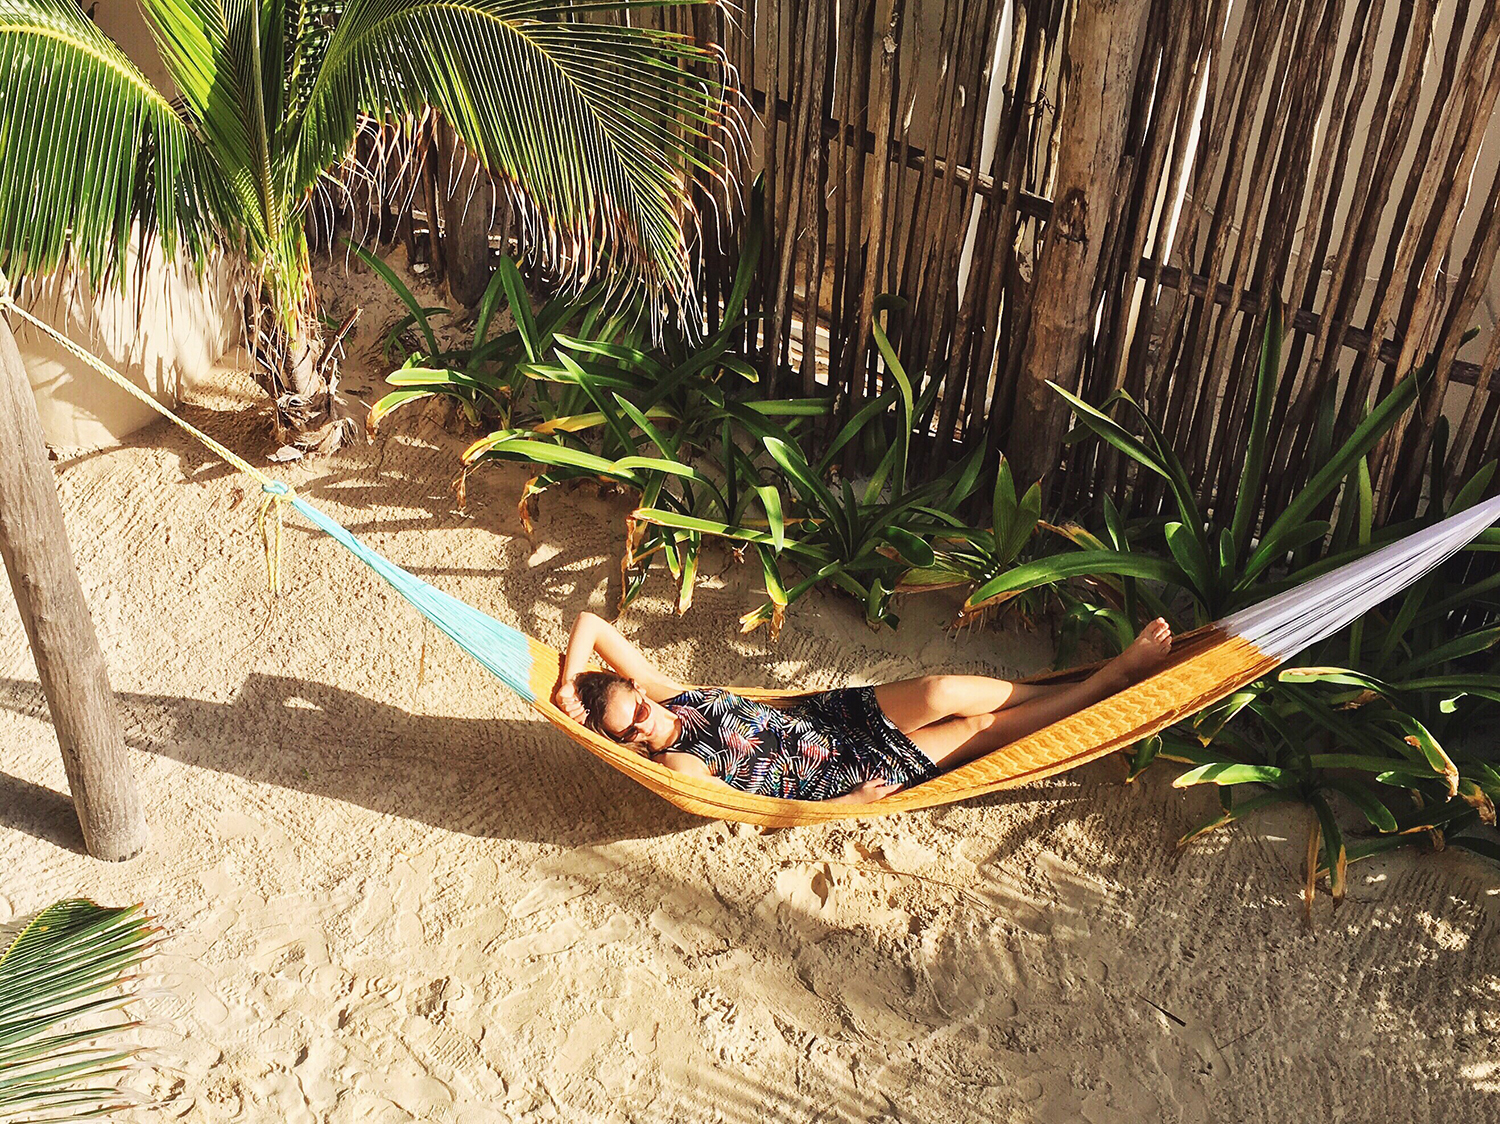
(867, 793)
(567, 700)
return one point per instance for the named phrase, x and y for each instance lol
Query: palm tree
(596, 128)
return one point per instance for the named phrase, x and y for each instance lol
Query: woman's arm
(592, 634)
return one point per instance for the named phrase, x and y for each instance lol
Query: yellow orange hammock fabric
(1205, 665)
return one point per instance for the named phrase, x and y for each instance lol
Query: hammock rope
(1205, 665)
(273, 492)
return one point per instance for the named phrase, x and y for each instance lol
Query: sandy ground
(392, 895)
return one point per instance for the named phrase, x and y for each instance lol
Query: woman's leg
(914, 703)
(952, 741)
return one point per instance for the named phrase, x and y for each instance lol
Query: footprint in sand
(545, 895)
(682, 920)
(618, 928)
(560, 937)
(190, 994)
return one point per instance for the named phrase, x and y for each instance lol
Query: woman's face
(632, 719)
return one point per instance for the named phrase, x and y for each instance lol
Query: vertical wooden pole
(69, 664)
(468, 201)
(1103, 53)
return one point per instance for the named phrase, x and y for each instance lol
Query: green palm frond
(225, 57)
(229, 61)
(66, 967)
(596, 126)
(598, 129)
(89, 149)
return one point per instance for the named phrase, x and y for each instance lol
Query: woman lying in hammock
(851, 745)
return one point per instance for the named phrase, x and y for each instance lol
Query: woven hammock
(1204, 666)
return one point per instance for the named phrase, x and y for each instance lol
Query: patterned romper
(820, 746)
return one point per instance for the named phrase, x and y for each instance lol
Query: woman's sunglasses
(638, 720)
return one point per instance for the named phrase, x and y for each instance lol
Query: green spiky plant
(595, 128)
(1371, 717)
(64, 983)
(860, 541)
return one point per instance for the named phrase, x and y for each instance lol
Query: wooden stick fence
(1326, 153)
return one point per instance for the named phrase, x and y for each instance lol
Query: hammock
(1204, 666)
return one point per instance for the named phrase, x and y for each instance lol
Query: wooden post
(69, 664)
(1103, 53)
(468, 202)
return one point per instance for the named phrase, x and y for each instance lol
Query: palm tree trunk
(310, 414)
(69, 664)
(305, 380)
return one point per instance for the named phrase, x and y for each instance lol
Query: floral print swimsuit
(818, 747)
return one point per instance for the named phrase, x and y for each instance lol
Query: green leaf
(1226, 772)
(487, 305)
(1253, 471)
(90, 150)
(904, 423)
(629, 358)
(543, 452)
(1158, 457)
(775, 590)
(1208, 723)
(521, 313)
(1236, 811)
(1145, 752)
(1473, 490)
(770, 502)
(1084, 563)
(1186, 545)
(1479, 685)
(599, 128)
(1468, 644)
(857, 424)
(795, 465)
(1363, 798)
(1333, 472)
(1341, 676)
(436, 377)
(706, 526)
(391, 401)
(1022, 527)
(393, 281)
(66, 968)
(914, 550)
(1287, 541)
(1420, 736)
(1115, 526)
(1386, 770)
(1115, 434)
(1334, 855)
(790, 407)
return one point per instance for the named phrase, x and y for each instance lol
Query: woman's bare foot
(1146, 654)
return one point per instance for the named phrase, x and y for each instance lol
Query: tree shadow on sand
(478, 777)
(506, 778)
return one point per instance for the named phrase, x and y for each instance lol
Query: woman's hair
(594, 689)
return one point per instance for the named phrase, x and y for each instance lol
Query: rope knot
(274, 496)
